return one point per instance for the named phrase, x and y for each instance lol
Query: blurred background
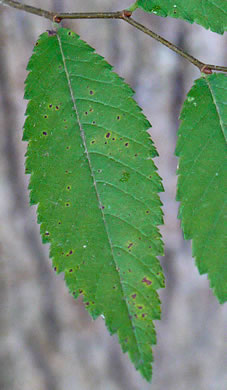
(48, 341)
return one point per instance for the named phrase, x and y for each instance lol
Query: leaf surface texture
(211, 14)
(95, 184)
(202, 177)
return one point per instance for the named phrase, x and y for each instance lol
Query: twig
(27, 8)
(205, 68)
(123, 15)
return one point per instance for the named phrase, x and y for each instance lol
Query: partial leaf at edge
(93, 178)
(211, 14)
(203, 176)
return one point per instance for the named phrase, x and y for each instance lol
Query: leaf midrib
(216, 107)
(95, 184)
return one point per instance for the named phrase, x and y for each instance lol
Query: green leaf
(93, 178)
(211, 14)
(203, 175)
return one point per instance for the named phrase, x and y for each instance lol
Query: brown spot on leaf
(70, 253)
(146, 281)
(133, 296)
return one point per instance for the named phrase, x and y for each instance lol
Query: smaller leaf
(202, 177)
(211, 14)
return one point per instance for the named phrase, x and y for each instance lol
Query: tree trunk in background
(48, 341)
